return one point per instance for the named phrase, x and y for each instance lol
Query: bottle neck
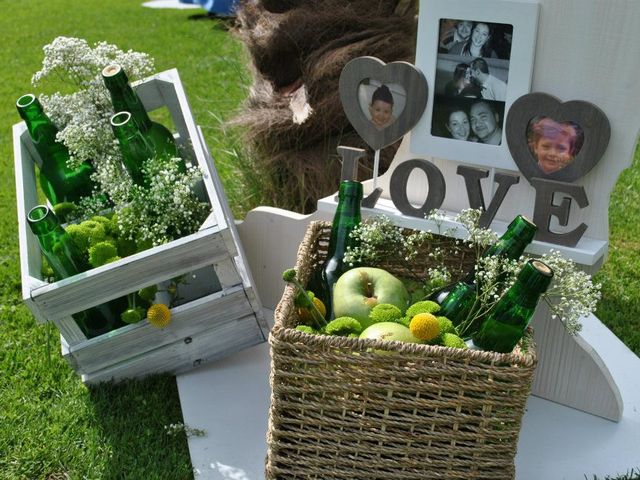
(346, 218)
(41, 129)
(133, 145)
(42, 220)
(512, 244)
(533, 280)
(123, 97)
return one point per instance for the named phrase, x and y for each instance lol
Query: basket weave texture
(346, 408)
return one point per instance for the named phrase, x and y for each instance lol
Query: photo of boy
(554, 145)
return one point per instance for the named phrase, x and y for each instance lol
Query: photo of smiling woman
(468, 119)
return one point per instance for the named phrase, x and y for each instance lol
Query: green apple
(360, 289)
(390, 331)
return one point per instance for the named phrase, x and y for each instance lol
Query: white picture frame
(511, 26)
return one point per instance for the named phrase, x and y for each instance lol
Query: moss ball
(343, 326)
(454, 341)
(306, 329)
(425, 306)
(102, 253)
(385, 312)
(446, 326)
(425, 326)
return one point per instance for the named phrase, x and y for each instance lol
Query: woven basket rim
(280, 332)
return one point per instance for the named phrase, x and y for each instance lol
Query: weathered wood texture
(202, 329)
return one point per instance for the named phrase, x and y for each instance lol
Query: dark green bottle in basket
(58, 182)
(511, 245)
(66, 260)
(134, 147)
(505, 325)
(346, 218)
(125, 99)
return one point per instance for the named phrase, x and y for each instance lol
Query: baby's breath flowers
(571, 295)
(168, 209)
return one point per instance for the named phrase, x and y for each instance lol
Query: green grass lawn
(51, 425)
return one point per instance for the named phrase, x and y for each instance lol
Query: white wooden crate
(202, 329)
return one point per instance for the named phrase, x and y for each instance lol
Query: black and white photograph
(468, 119)
(478, 59)
(472, 63)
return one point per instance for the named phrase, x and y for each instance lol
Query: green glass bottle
(346, 218)
(125, 99)
(66, 260)
(134, 147)
(506, 323)
(458, 304)
(511, 245)
(58, 182)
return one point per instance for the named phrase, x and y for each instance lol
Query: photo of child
(381, 103)
(554, 145)
(381, 107)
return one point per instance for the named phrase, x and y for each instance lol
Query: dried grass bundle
(293, 119)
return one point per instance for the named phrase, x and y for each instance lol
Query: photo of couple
(471, 81)
(468, 120)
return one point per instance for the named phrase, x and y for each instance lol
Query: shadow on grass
(132, 418)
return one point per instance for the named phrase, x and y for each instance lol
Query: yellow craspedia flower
(425, 326)
(159, 315)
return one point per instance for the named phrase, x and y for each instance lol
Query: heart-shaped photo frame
(407, 77)
(575, 119)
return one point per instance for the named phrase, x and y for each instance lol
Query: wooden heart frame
(401, 73)
(588, 116)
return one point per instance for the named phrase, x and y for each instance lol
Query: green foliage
(452, 340)
(307, 329)
(102, 253)
(425, 306)
(633, 474)
(385, 312)
(343, 327)
(51, 425)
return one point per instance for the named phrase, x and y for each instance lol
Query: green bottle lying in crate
(134, 147)
(125, 99)
(66, 260)
(58, 182)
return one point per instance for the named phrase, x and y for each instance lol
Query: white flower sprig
(168, 209)
(571, 295)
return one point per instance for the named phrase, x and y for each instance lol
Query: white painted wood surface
(229, 400)
(202, 329)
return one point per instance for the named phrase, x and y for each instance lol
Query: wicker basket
(345, 408)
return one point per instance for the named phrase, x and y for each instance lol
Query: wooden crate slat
(69, 329)
(186, 321)
(217, 342)
(114, 280)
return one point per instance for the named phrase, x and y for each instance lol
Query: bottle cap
(111, 70)
(523, 228)
(535, 276)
